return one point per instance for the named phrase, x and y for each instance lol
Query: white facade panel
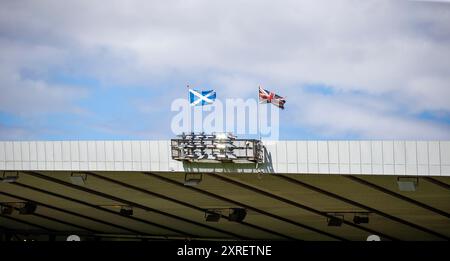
(399, 152)
(292, 168)
(445, 152)
(57, 151)
(411, 169)
(17, 151)
(74, 151)
(434, 154)
(422, 152)
(66, 151)
(366, 152)
(49, 151)
(118, 151)
(344, 168)
(377, 169)
(445, 170)
(136, 151)
(109, 151)
(400, 169)
(366, 168)
(411, 153)
(281, 152)
(9, 151)
(83, 151)
(302, 168)
(291, 148)
(25, 149)
(302, 152)
(33, 151)
(145, 151)
(334, 168)
(333, 152)
(312, 153)
(100, 151)
(435, 170)
(127, 152)
(322, 152)
(92, 151)
(2, 152)
(272, 151)
(355, 152)
(377, 152)
(154, 151)
(388, 152)
(323, 168)
(40, 151)
(423, 170)
(344, 152)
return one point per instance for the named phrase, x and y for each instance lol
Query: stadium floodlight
(237, 214)
(6, 210)
(216, 147)
(192, 179)
(28, 208)
(335, 221)
(212, 217)
(360, 219)
(126, 211)
(407, 183)
(78, 178)
(10, 177)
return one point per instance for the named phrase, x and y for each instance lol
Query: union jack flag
(266, 96)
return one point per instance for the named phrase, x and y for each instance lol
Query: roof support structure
(186, 204)
(204, 192)
(351, 202)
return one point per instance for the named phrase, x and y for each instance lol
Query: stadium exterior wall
(373, 157)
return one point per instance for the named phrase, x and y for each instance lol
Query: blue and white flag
(201, 97)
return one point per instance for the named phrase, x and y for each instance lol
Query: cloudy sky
(110, 70)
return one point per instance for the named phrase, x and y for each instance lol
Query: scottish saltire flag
(266, 96)
(201, 97)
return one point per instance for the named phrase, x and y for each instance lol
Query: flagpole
(257, 115)
(190, 109)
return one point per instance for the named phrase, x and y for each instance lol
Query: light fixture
(217, 147)
(335, 221)
(28, 208)
(73, 238)
(192, 179)
(407, 183)
(10, 177)
(360, 219)
(212, 217)
(237, 214)
(126, 211)
(373, 238)
(78, 178)
(6, 209)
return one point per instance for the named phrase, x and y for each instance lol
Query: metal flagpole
(190, 109)
(257, 115)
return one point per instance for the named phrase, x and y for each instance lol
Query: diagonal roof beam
(292, 203)
(397, 195)
(64, 210)
(295, 223)
(127, 202)
(186, 204)
(351, 202)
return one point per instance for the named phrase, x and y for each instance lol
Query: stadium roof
(293, 199)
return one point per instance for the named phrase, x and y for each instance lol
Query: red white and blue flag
(266, 96)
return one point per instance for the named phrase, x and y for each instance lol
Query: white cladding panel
(325, 157)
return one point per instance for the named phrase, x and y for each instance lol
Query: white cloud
(395, 49)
